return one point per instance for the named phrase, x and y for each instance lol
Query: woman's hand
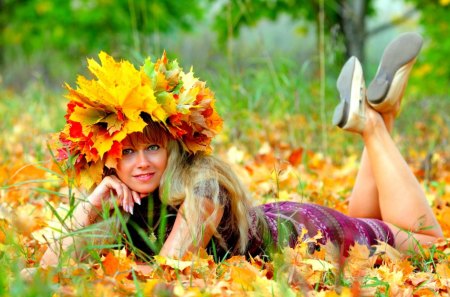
(109, 192)
(111, 189)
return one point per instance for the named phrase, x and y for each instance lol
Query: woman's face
(142, 165)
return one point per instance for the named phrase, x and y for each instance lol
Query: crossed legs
(385, 188)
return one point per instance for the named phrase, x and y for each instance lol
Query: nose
(143, 160)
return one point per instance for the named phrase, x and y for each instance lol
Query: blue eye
(153, 147)
(127, 152)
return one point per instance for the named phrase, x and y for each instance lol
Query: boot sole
(349, 112)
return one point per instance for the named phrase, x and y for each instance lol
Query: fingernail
(138, 202)
(131, 210)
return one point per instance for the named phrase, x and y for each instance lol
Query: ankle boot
(385, 92)
(349, 113)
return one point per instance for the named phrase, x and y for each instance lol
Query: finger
(127, 201)
(122, 194)
(116, 185)
(122, 199)
(136, 197)
(131, 201)
(102, 192)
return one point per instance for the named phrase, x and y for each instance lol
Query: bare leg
(384, 94)
(402, 201)
(363, 202)
(385, 188)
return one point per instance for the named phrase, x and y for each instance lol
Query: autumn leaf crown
(102, 111)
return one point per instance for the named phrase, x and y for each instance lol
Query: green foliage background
(434, 19)
(260, 57)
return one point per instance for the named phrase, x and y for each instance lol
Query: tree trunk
(352, 21)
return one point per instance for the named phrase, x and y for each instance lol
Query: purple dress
(287, 219)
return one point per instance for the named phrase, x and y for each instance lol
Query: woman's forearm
(54, 250)
(85, 214)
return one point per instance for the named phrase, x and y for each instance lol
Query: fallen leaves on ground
(32, 195)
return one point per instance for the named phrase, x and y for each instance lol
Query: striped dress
(285, 221)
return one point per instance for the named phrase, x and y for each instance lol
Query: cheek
(121, 168)
(164, 162)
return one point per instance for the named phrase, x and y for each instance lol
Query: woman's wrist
(85, 214)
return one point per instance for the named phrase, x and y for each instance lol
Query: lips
(144, 177)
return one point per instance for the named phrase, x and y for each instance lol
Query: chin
(145, 192)
(145, 195)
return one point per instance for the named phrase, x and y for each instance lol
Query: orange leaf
(295, 158)
(118, 265)
(110, 264)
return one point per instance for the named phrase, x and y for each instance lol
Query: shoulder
(210, 188)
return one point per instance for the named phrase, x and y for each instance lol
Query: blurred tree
(344, 20)
(351, 15)
(78, 27)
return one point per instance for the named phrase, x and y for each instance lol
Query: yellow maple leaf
(92, 175)
(319, 265)
(443, 274)
(87, 116)
(382, 248)
(243, 276)
(173, 263)
(358, 261)
(149, 286)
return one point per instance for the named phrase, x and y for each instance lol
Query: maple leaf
(319, 265)
(443, 274)
(382, 248)
(295, 158)
(92, 175)
(118, 266)
(190, 105)
(358, 261)
(242, 274)
(173, 263)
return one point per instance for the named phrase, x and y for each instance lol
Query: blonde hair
(190, 179)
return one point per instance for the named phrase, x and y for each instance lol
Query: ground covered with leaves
(32, 191)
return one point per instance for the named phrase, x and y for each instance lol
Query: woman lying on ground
(141, 140)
